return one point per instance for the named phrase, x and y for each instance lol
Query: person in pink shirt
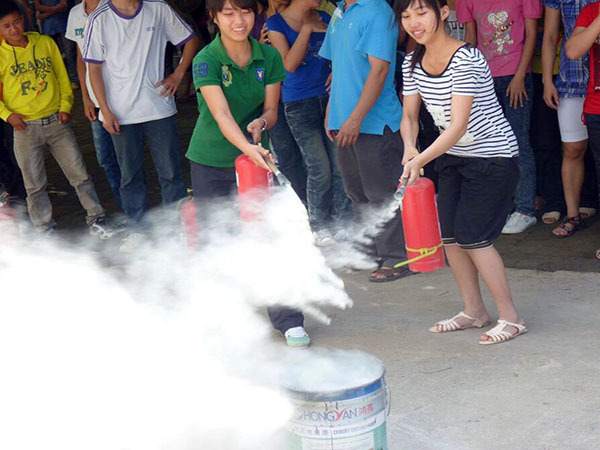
(505, 32)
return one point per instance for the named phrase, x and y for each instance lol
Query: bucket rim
(334, 394)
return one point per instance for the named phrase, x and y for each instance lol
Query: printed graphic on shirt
(500, 38)
(32, 75)
(200, 70)
(226, 76)
(438, 115)
(79, 32)
(260, 74)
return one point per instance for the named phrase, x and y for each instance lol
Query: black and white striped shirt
(488, 132)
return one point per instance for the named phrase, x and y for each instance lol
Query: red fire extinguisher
(421, 225)
(190, 228)
(254, 184)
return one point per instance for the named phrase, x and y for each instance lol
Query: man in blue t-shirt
(364, 118)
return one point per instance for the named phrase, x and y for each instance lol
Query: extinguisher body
(255, 185)
(190, 227)
(421, 226)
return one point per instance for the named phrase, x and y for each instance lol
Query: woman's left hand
(516, 92)
(411, 172)
(255, 128)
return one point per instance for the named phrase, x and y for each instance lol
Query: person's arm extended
(89, 109)
(471, 33)
(582, 39)
(350, 129)
(109, 120)
(549, 45)
(172, 82)
(268, 118)
(460, 111)
(516, 88)
(219, 108)
(409, 126)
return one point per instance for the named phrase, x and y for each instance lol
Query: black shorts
(475, 198)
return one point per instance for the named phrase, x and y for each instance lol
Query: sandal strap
(575, 220)
(452, 325)
(499, 334)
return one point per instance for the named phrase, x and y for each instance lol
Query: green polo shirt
(244, 89)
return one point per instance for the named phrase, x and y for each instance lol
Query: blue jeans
(325, 193)
(105, 154)
(519, 119)
(164, 148)
(289, 158)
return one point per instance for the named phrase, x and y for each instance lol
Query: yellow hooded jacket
(35, 80)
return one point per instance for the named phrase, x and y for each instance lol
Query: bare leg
(466, 276)
(572, 172)
(491, 267)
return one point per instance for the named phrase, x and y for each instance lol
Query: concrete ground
(539, 391)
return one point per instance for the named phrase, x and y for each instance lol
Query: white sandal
(586, 213)
(551, 217)
(452, 325)
(499, 334)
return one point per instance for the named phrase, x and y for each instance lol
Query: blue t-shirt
(367, 28)
(311, 75)
(57, 23)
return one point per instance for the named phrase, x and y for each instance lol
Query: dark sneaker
(101, 229)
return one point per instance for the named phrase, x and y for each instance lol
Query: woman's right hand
(409, 153)
(258, 154)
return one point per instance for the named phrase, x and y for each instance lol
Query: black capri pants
(475, 198)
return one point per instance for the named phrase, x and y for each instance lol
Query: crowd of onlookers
(541, 77)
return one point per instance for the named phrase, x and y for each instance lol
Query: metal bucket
(351, 418)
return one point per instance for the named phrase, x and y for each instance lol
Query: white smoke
(164, 348)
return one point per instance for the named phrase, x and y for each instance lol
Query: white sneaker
(517, 223)
(131, 242)
(323, 238)
(297, 337)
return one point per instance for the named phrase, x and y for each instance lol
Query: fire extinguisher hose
(423, 253)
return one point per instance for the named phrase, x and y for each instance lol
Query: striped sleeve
(178, 31)
(409, 86)
(470, 67)
(93, 47)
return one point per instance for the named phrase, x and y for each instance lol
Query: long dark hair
(402, 5)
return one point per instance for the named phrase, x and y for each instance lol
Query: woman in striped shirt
(477, 161)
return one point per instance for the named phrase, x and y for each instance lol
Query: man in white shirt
(105, 151)
(124, 47)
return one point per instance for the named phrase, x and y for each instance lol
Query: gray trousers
(30, 146)
(370, 169)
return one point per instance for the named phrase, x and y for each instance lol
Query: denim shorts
(475, 198)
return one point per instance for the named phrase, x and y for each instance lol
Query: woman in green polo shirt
(238, 80)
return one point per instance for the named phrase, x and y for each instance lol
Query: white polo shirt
(131, 50)
(75, 32)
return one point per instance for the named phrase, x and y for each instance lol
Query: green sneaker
(297, 337)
